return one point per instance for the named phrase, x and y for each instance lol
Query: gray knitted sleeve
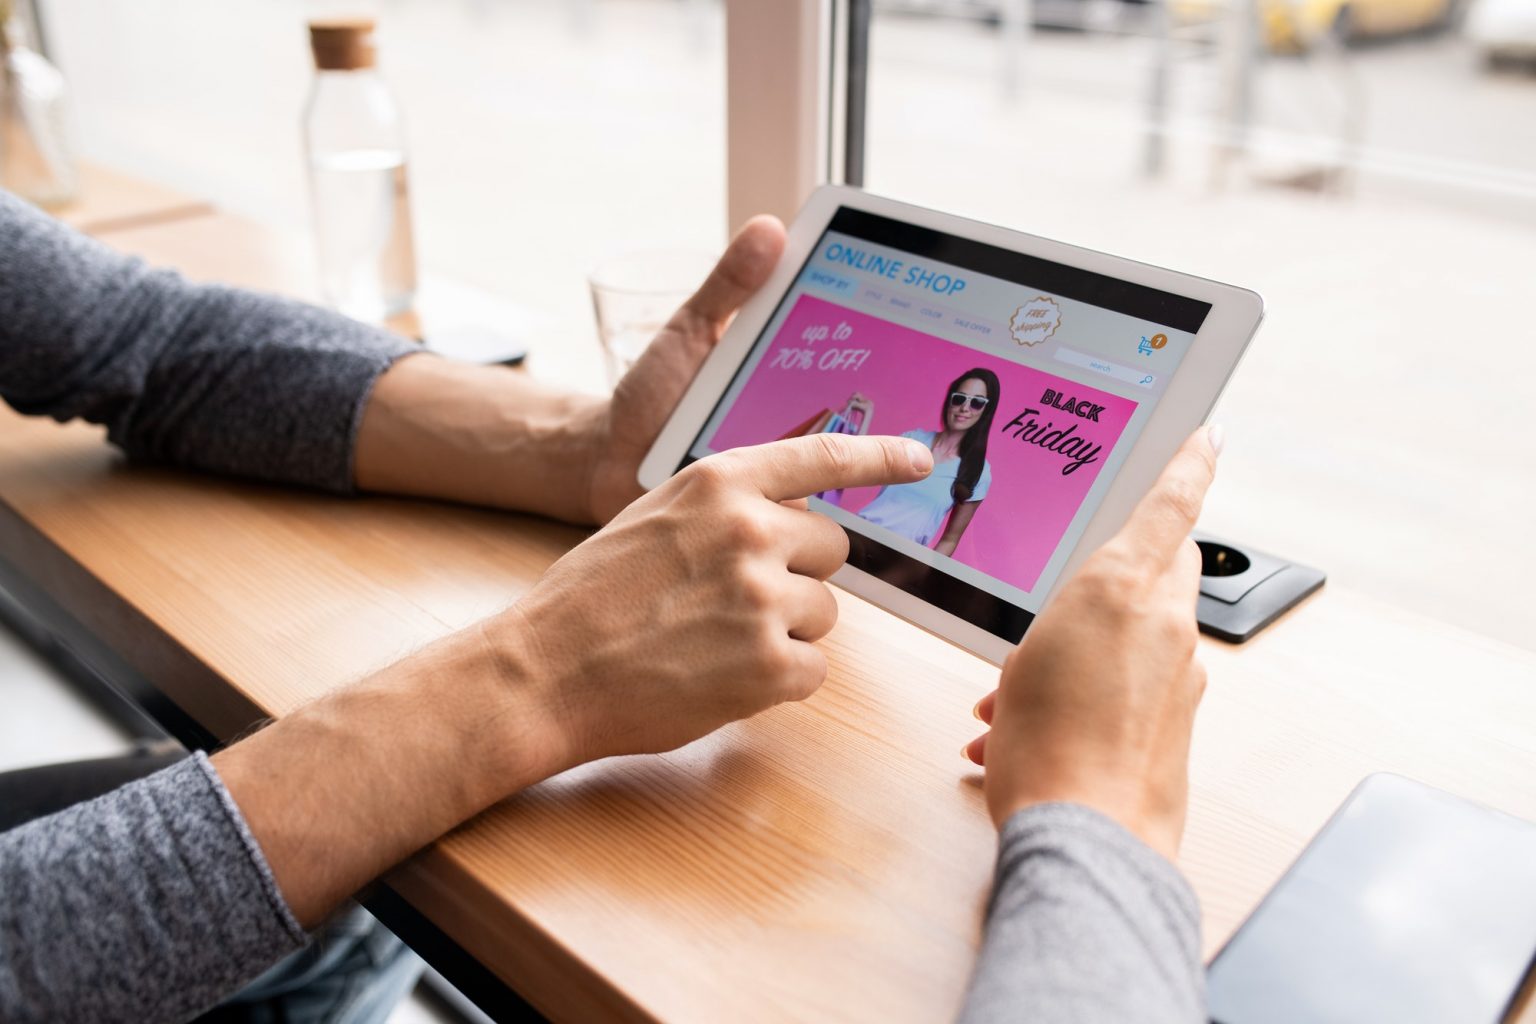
(198, 375)
(147, 904)
(1086, 925)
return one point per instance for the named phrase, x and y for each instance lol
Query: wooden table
(825, 861)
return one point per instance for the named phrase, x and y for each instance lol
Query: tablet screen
(1030, 379)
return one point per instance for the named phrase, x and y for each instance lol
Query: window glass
(543, 134)
(1370, 170)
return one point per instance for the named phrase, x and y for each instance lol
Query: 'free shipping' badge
(1035, 321)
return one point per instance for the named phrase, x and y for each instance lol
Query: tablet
(1054, 383)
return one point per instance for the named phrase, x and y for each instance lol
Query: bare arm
(155, 900)
(239, 382)
(483, 435)
(492, 436)
(484, 702)
(348, 786)
(959, 519)
(589, 664)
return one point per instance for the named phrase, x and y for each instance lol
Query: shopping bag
(815, 424)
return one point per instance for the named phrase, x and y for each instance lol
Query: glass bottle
(355, 144)
(36, 159)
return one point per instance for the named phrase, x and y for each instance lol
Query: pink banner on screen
(1047, 441)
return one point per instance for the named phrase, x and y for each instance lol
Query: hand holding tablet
(1097, 705)
(1050, 383)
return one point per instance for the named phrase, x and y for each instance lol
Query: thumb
(1167, 513)
(743, 267)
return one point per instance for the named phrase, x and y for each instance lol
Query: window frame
(795, 101)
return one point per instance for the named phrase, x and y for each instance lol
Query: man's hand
(698, 605)
(1097, 705)
(628, 425)
(489, 435)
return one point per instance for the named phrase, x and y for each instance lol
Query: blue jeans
(354, 971)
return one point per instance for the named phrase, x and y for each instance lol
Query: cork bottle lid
(342, 44)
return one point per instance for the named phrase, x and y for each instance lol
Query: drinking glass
(635, 294)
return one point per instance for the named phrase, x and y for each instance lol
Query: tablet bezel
(1191, 393)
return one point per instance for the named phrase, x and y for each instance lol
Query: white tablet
(1053, 382)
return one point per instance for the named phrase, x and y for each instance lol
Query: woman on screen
(961, 476)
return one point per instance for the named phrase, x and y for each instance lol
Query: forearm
(484, 435)
(1086, 923)
(343, 789)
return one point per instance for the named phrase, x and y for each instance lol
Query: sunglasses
(978, 402)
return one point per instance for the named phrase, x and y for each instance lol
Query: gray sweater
(154, 901)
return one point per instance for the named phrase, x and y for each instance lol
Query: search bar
(1129, 374)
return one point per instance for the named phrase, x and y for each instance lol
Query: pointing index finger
(802, 466)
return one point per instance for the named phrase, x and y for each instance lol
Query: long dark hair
(973, 446)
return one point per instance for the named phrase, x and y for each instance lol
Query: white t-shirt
(917, 510)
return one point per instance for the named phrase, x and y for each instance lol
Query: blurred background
(1369, 165)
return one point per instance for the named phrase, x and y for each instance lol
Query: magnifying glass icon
(1145, 380)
